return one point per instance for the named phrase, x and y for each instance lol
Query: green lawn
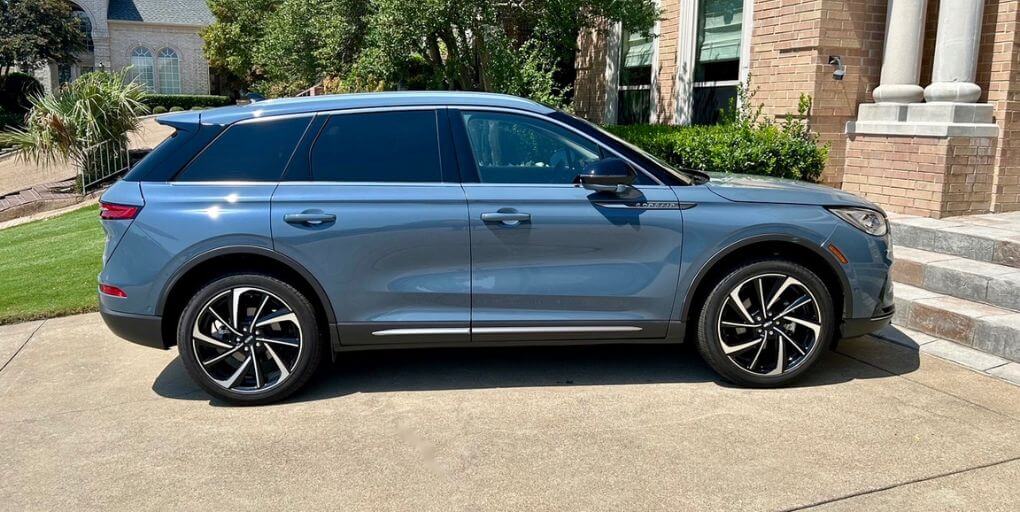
(48, 268)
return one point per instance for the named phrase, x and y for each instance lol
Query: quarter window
(401, 146)
(257, 151)
(142, 68)
(511, 148)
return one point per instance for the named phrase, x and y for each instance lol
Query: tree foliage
(510, 46)
(33, 32)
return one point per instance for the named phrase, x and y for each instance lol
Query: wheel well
(201, 274)
(760, 250)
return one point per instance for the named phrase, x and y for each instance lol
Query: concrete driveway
(88, 421)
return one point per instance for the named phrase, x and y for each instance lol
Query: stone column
(901, 62)
(956, 52)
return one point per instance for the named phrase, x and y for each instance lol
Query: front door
(551, 260)
(383, 226)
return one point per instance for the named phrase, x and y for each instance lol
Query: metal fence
(101, 162)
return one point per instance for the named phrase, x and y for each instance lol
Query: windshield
(687, 176)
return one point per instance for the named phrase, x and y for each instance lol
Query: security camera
(840, 72)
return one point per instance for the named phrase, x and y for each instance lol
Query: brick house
(917, 98)
(158, 38)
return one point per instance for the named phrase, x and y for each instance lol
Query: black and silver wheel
(249, 339)
(765, 323)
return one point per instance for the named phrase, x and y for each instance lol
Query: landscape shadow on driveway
(483, 368)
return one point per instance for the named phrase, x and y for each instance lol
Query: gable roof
(174, 12)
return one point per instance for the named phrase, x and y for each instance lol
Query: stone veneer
(185, 40)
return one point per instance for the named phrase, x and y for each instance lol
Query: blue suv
(261, 239)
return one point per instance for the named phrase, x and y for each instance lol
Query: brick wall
(125, 37)
(669, 33)
(999, 76)
(590, 63)
(790, 49)
(935, 177)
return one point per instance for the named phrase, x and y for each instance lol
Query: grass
(48, 268)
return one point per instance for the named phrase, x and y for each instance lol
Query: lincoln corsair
(262, 239)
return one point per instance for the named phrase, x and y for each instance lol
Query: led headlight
(868, 221)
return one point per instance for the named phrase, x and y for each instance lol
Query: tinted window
(378, 146)
(511, 148)
(256, 151)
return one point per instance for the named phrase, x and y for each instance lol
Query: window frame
(136, 71)
(613, 69)
(303, 172)
(469, 168)
(158, 71)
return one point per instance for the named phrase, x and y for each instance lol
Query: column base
(953, 92)
(925, 120)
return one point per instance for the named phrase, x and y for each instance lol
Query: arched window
(142, 68)
(169, 72)
(86, 27)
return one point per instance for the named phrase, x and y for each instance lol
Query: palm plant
(66, 125)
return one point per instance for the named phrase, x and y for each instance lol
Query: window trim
(470, 175)
(686, 58)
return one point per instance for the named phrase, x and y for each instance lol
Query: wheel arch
(796, 249)
(209, 265)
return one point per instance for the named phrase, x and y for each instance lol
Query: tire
(269, 350)
(753, 349)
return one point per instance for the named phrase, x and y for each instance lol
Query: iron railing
(101, 162)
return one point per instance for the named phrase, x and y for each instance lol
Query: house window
(634, 92)
(717, 58)
(86, 28)
(169, 72)
(142, 66)
(64, 75)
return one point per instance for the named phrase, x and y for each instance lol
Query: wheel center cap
(769, 324)
(250, 340)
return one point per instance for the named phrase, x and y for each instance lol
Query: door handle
(309, 218)
(507, 218)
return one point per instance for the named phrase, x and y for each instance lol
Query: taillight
(114, 211)
(112, 291)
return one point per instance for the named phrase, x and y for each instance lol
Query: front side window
(254, 151)
(169, 72)
(394, 147)
(717, 59)
(510, 148)
(634, 93)
(143, 68)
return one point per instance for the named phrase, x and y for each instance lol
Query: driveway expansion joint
(18, 351)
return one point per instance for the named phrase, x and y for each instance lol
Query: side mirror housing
(607, 175)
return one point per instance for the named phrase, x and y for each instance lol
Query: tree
(231, 41)
(33, 32)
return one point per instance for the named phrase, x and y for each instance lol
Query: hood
(765, 189)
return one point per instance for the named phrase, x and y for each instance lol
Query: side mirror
(607, 175)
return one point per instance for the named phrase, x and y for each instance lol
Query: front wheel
(249, 339)
(766, 323)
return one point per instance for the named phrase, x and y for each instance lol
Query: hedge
(784, 151)
(185, 101)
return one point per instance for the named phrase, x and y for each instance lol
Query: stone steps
(987, 328)
(978, 281)
(985, 238)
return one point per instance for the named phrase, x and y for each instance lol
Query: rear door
(373, 208)
(552, 260)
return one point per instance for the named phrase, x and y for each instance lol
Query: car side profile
(263, 238)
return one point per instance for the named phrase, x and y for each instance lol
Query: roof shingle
(176, 12)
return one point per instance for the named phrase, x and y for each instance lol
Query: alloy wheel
(247, 340)
(769, 324)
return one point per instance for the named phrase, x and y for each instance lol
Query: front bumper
(141, 329)
(854, 327)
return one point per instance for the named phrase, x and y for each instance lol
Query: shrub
(11, 119)
(159, 109)
(176, 109)
(185, 101)
(745, 143)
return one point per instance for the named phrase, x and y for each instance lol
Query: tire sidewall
(299, 304)
(708, 335)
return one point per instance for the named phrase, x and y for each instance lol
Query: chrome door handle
(507, 218)
(309, 218)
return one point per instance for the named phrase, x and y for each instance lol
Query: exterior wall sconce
(840, 72)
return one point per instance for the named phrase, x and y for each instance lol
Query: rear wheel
(249, 339)
(766, 323)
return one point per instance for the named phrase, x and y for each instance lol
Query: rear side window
(378, 146)
(257, 151)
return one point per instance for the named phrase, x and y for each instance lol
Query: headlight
(868, 221)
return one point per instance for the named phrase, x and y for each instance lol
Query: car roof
(288, 106)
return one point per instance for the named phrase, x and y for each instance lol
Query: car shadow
(598, 365)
